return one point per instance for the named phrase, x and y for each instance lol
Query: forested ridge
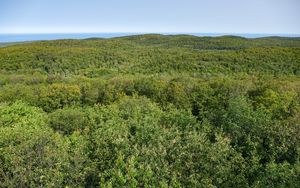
(151, 111)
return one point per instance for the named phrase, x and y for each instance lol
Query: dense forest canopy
(151, 111)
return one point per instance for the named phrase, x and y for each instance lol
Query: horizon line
(139, 32)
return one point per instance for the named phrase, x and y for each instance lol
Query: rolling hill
(150, 111)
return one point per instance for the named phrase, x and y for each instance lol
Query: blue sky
(148, 16)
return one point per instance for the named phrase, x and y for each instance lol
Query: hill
(156, 54)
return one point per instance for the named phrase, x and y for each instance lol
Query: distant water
(33, 37)
(53, 36)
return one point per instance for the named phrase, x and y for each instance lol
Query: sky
(150, 16)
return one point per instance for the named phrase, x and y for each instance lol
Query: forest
(151, 111)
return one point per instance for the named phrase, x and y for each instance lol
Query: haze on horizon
(150, 16)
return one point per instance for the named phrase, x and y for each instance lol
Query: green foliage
(150, 111)
(68, 120)
(57, 96)
(29, 152)
(32, 155)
